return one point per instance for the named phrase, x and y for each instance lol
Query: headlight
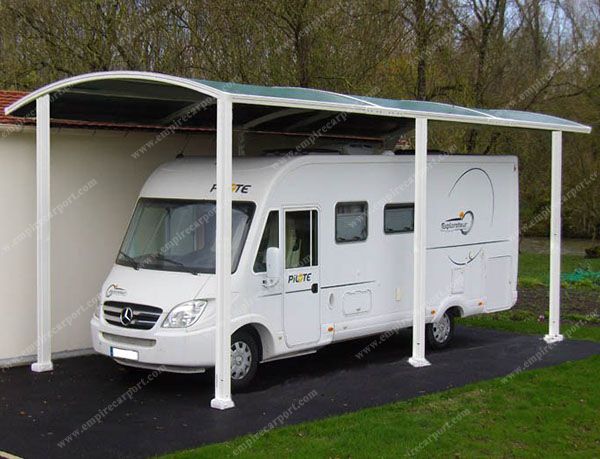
(97, 312)
(185, 314)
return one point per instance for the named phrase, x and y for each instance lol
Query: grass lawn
(534, 268)
(573, 327)
(552, 412)
(534, 272)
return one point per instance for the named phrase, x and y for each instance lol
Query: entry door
(301, 309)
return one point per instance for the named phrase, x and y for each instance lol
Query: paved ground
(170, 413)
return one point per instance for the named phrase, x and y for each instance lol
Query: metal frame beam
(473, 116)
(42, 155)
(222, 398)
(554, 335)
(187, 110)
(151, 94)
(420, 245)
(404, 113)
(271, 117)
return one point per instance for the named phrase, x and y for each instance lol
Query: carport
(150, 99)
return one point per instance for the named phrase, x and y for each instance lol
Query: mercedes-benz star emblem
(126, 316)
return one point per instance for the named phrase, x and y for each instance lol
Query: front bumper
(171, 350)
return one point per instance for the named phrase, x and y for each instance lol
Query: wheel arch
(455, 304)
(263, 337)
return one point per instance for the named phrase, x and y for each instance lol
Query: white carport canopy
(150, 99)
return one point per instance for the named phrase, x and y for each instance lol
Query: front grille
(118, 339)
(143, 318)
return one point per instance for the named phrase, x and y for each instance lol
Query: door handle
(314, 288)
(270, 282)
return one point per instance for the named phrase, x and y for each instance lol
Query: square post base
(419, 362)
(221, 403)
(553, 338)
(40, 367)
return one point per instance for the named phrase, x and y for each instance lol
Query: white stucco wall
(95, 183)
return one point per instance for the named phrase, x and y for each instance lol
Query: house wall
(94, 185)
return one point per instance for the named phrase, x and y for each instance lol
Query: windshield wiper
(161, 257)
(135, 264)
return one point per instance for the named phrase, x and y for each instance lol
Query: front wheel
(244, 359)
(440, 333)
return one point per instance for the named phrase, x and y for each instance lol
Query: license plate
(123, 353)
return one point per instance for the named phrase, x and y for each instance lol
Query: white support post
(44, 341)
(222, 400)
(419, 245)
(554, 335)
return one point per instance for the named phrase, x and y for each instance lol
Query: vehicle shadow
(374, 350)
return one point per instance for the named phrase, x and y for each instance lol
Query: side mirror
(273, 265)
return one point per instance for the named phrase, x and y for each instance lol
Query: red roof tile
(9, 97)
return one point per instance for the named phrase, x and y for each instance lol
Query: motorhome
(322, 251)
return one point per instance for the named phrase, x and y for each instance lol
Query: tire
(440, 333)
(244, 359)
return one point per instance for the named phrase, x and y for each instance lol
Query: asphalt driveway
(91, 407)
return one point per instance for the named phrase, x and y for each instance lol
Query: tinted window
(351, 221)
(301, 233)
(399, 218)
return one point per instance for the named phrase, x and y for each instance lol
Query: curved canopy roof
(161, 99)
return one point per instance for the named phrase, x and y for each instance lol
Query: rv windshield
(179, 235)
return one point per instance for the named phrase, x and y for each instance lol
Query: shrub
(593, 252)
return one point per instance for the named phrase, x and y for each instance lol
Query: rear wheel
(244, 359)
(440, 333)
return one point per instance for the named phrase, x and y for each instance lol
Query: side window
(301, 235)
(351, 221)
(398, 218)
(270, 238)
